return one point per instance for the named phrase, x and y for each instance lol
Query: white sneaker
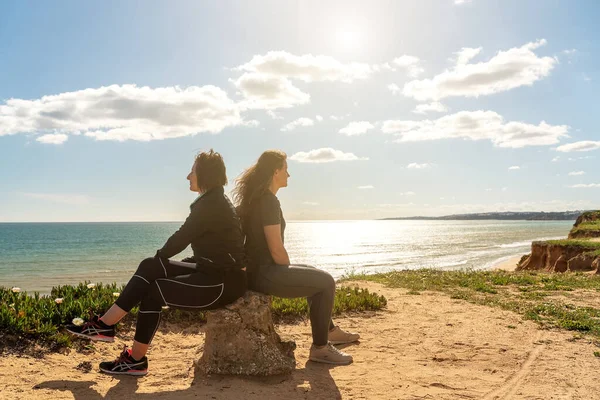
(328, 354)
(339, 336)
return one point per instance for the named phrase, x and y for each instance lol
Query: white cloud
(122, 113)
(307, 68)
(514, 168)
(310, 203)
(518, 66)
(407, 194)
(366, 187)
(459, 2)
(585, 145)
(296, 123)
(53, 138)
(477, 125)
(319, 118)
(71, 199)
(576, 173)
(466, 54)
(586, 186)
(269, 92)
(419, 166)
(410, 63)
(555, 159)
(324, 155)
(357, 128)
(395, 89)
(579, 158)
(434, 106)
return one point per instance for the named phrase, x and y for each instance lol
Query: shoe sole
(343, 341)
(320, 360)
(135, 373)
(96, 338)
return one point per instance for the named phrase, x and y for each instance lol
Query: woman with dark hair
(216, 278)
(269, 268)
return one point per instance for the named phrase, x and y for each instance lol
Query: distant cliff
(580, 252)
(586, 226)
(509, 216)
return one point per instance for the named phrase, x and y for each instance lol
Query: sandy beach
(421, 347)
(509, 264)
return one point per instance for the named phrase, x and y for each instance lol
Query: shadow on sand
(314, 381)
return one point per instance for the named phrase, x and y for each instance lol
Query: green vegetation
(41, 318)
(580, 243)
(591, 226)
(525, 293)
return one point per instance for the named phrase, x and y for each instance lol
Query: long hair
(255, 181)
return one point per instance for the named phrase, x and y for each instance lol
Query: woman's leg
(148, 271)
(198, 291)
(302, 281)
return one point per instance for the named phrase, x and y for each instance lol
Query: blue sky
(385, 109)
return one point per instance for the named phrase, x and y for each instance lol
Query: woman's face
(192, 177)
(281, 176)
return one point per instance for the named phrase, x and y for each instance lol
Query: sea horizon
(40, 255)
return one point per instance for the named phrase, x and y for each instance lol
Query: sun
(348, 40)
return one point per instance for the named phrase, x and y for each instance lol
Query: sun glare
(348, 40)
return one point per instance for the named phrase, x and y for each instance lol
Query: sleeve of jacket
(193, 226)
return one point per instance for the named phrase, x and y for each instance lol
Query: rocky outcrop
(241, 340)
(556, 257)
(586, 226)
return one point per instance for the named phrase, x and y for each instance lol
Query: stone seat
(241, 340)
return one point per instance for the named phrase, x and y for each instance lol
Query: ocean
(38, 256)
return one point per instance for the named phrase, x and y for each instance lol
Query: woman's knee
(150, 267)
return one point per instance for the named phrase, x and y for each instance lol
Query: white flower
(91, 285)
(58, 300)
(165, 307)
(12, 305)
(16, 289)
(77, 321)
(116, 294)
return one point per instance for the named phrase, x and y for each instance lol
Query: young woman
(269, 268)
(217, 278)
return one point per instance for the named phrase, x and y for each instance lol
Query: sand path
(424, 346)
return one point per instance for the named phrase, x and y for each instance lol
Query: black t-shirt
(265, 211)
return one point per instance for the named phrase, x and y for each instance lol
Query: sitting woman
(217, 278)
(269, 268)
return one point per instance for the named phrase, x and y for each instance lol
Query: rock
(241, 340)
(554, 257)
(581, 262)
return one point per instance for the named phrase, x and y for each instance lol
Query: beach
(428, 346)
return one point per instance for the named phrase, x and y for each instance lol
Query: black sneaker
(125, 365)
(94, 330)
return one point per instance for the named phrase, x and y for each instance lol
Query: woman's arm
(275, 243)
(191, 228)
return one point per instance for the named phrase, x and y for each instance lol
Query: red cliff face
(558, 258)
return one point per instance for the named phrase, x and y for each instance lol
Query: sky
(384, 108)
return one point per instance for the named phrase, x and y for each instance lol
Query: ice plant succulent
(16, 289)
(91, 285)
(58, 300)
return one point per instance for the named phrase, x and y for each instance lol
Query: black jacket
(214, 231)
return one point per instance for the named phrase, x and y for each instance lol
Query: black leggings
(158, 282)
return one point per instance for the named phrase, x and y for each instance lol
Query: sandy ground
(424, 346)
(508, 265)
